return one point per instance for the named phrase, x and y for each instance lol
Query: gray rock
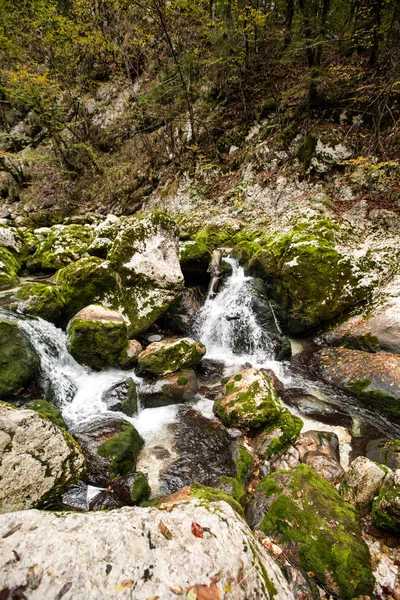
(122, 397)
(105, 500)
(38, 460)
(128, 553)
(170, 389)
(76, 498)
(361, 482)
(385, 452)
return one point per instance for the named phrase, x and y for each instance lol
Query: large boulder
(11, 238)
(97, 336)
(313, 279)
(170, 389)
(64, 245)
(171, 354)
(146, 257)
(386, 507)
(362, 481)
(38, 460)
(195, 549)
(374, 378)
(249, 400)
(315, 528)
(122, 397)
(18, 360)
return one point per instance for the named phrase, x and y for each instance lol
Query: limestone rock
(18, 360)
(11, 238)
(170, 389)
(97, 336)
(250, 400)
(127, 553)
(374, 378)
(38, 460)
(122, 397)
(63, 246)
(386, 507)
(146, 257)
(171, 354)
(104, 235)
(361, 482)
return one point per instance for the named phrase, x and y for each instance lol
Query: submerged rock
(97, 336)
(138, 552)
(386, 507)
(171, 389)
(315, 528)
(122, 397)
(38, 460)
(250, 400)
(18, 360)
(171, 354)
(374, 378)
(361, 482)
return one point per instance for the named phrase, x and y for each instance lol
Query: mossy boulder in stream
(97, 336)
(374, 378)
(122, 397)
(278, 436)
(194, 257)
(171, 354)
(122, 451)
(315, 528)
(9, 269)
(19, 362)
(386, 507)
(42, 300)
(250, 400)
(63, 246)
(146, 257)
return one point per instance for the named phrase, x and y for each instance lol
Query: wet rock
(129, 356)
(19, 362)
(145, 255)
(105, 500)
(318, 441)
(171, 389)
(210, 367)
(288, 460)
(385, 452)
(122, 397)
(131, 489)
(152, 551)
(97, 336)
(75, 498)
(111, 447)
(181, 316)
(194, 258)
(386, 507)
(325, 465)
(374, 378)
(315, 528)
(361, 482)
(315, 408)
(171, 354)
(249, 400)
(64, 245)
(278, 436)
(38, 460)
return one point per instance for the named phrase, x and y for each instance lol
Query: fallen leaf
(176, 589)
(192, 594)
(165, 531)
(123, 585)
(197, 530)
(205, 592)
(153, 598)
(34, 577)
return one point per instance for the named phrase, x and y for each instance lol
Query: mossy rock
(214, 236)
(236, 486)
(9, 269)
(386, 507)
(19, 363)
(250, 400)
(62, 247)
(46, 410)
(42, 300)
(278, 436)
(97, 336)
(308, 518)
(171, 354)
(194, 257)
(122, 451)
(141, 490)
(86, 281)
(209, 494)
(306, 151)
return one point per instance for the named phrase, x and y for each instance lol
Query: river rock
(97, 336)
(42, 300)
(122, 397)
(385, 452)
(111, 447)
(249, 400)
(146, 258)
(361, 482)
(131, 489)
(325, 465)
(138, 553)
(129, 356)
(86, 281)
(9, 269)
(182, 315)
(287, 460)
(386, 507)
(63, 246)
(171, 354)
(315, 528)
(278, 436)
(19, 362)
(38, 460)
(374, 378)
(75, 498)
(171, 389)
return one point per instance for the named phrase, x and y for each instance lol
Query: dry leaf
(205, 592)
(176, 589)
(165, 531)
(123, 585)
(197, 530)
(34, 577)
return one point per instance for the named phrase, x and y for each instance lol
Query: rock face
(146, 257)
(361, 482)
(386, 507)
(374, 378)
(38, 460)
(171, 354)
(386, 452)
(122, 397)
(97, 336)
(138, 553)
(250, 400)
(315, 528)
(171, 389)
(63, 245)
(18, 360)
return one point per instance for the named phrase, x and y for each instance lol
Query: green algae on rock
(171, 354)
(97, 336)
(374, 378)
(250, 400)
(309, 520)
(18, 360)
(122, 450)
(63, 246)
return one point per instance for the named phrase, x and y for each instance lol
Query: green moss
(60, 248)
(129, 406)
(141, 490)
(268, 106)
(43, 300)
(215, 236)
(168, 358)
(245, 250)
(182, 380)
(210, 494)
(307, 512)
(385, 512)
(122, 450)
(238, 491)
(238, 377)
(244, 464)
(290, 426)
(9, 269)
(18, 361)
(192, 253)
(306, 151)
(46, 410)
